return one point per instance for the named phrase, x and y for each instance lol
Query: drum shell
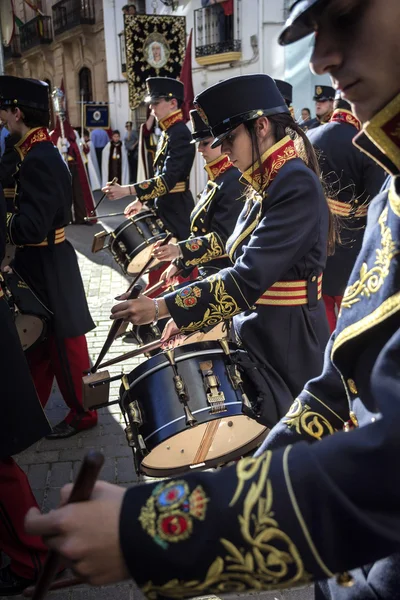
(135, 235)
(152, 386)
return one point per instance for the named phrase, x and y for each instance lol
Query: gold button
(352, 386)
(314, 278)
(203, 229)
(195, 228)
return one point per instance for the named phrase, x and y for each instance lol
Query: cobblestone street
(51, 464)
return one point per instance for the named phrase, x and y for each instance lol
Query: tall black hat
(323, 93)
(17, 91)
(304, 15)
(200, 129)
(164, 87)
(286, 89)
(226, 105)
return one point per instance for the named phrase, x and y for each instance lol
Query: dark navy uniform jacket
(352, 179)
(280, 242)
(213, 219)
(43, 202)
(23, 421)
(323, 495)
(168, 191)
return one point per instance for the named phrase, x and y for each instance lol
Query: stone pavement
(52, 464)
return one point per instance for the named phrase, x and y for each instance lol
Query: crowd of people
(295, 241)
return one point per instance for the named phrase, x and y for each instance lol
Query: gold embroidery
(272, 560)
(304, 420)
(215, 250)
(345, 116)
(171, 119)
(381, 129)
(247, 231)
(389, 307)
(162, 144)
(371, 280)
(30, 139)
(216, 167)
(159, 189)
(394, 201)
(187, 297)
(223, 307)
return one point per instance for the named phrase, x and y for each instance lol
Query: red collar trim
(272, 161)
(173, 118)
(217, 167)
(345, 116)
(30, 139)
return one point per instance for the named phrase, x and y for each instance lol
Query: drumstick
(137, 352)
(82, 490)
(112, 334)
(148, 264)
(206, 441)
(160, 284)
(104, 216)
(103, 196)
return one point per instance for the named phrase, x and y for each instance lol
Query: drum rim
(132, 220)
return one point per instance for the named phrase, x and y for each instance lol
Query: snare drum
(132, 242)
(185, 406)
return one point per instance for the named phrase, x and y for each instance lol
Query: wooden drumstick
(101, 199)
(206, 442)
(114, 329)
(159, 285)
(165, 241)
(82, 490)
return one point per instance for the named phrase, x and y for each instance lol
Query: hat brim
(301, 21)
(322, 99)
(218, 140)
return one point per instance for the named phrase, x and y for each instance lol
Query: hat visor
(302, 21)
(218, 140)
(322, 99)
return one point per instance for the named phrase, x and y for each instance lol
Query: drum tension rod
(133, 422)
(216, 398)
(234, 373)
(181, 390)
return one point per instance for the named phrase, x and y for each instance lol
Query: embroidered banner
(155, 47)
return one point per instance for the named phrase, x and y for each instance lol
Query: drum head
(232, 437)
(137, 263)
(30, 329)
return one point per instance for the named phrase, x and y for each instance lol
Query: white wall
(117, 84)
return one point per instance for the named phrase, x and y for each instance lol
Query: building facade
(61, 42)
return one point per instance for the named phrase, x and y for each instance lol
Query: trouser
(332, 307)
(26, 552)
(66, 360)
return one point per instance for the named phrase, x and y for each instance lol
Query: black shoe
(12, 584)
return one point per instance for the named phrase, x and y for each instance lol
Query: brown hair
(284, 125)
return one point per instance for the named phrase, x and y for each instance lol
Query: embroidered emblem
(214, 250)
(371, 280)
(145, 185)
(305, 421)
(202, 114)
(221, 306)
(267, 558)
(187, 297)
(169, 513)
(155, 186)
(193, 245)
(318, 90)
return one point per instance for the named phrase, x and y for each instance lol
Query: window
(85, 84)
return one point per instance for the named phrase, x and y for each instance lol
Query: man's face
(115, 137)
(161, 108)
(358, 43)
(305, 115)
(323, 108)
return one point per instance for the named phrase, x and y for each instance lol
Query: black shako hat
(200, 129)
(323, 93)
(164, 87)
(226, 105)
(286, 89)
(302, 21)
(17, 91)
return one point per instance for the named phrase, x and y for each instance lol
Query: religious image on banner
(155, 47)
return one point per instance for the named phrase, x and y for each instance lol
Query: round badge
(97, 115)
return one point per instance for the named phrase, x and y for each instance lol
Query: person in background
(4, 133)
(100, 139)
(114, 161)
(323, 97)
(305, 116)
(131, 141)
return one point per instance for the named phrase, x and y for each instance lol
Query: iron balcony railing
(215, 32)
(14, 49)
(35, 32)
(70, 13)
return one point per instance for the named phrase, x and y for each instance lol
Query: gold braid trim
(214, 250)
(270, 560)
(306, 421)
(157, 188)
(223, 307)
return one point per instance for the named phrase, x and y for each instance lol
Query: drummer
(278, 248)
(215, 216)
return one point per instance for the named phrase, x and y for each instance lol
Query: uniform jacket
(23, 421)
(281, 236)
(43, 202)
(352, 179)
(213, 219)
(318, 501)
(168, 190)
(8, 166)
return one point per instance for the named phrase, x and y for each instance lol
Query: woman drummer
(214, 218)
(278, 248)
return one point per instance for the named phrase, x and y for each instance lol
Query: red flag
(186, 78)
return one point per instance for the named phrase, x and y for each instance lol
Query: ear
(19, 115)
(262, 128)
